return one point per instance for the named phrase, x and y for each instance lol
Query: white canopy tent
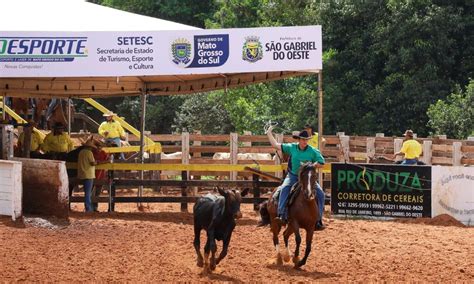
(78, 15)
(70, 16)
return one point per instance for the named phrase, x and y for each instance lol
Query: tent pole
(320, 107)
(320, 119)
(69, 116)
(143, 97)
(4, 102)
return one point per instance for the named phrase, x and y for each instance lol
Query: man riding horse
(299, 153)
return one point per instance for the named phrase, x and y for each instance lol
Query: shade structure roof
(77, 16)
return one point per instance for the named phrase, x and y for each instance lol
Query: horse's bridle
(309, 190)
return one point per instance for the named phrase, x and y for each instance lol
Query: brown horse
(39, 107)
(21, 106)
(303, 213)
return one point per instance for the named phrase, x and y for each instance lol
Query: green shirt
(84, 168)
(298, 156)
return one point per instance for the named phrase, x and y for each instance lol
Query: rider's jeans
(285, 188)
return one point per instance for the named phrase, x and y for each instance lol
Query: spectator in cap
(299, 153)
(57, 143)
(411, 149)
(100, 156)
(86, 172)
(112, 131)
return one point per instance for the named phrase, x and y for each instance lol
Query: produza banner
(381, 190)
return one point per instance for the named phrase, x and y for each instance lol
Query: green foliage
(385, 63)
(205, 112)
(455, 116)
(187, 12)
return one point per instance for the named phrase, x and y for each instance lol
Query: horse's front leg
(297, 248)
(286, 235)
(309, 240)
(197, 245)
(276, 243)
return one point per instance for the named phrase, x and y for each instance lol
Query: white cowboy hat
(109, 113)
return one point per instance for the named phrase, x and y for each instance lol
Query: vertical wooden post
(370, 148)
(320, 116)
(26, 146)
(143, 98)
(184, 191)
(256, 190)
(6, 142)
(379, 135)
(345, 147)
(155, 158)
(111, 186)
(247, 143)
(278, 154)
(196, 155)
(457, 154)
(4, 111)
(397, 145)
(68, 116)
(427, 152)
(185, 148)
(339, 134)
(234, 148)
(184, 161)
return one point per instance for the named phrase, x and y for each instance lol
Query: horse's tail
(264, 214)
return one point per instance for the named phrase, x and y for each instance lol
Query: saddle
(291, 197)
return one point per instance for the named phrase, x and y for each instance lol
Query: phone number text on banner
(381, 190)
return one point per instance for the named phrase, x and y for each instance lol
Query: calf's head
(233, 198)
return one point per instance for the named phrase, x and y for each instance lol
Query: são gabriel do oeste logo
(252, 50)
(181, 50)
(42, 49)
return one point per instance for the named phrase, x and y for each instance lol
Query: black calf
(216, 215)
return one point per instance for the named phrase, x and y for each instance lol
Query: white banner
(76, 54)
(453, 193)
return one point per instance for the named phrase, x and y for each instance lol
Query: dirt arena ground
(156, 245)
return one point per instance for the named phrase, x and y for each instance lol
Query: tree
(455, 116)
(205, 112)
(187, 12)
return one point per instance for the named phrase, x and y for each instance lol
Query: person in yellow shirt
(410, 148)
(86, 172)
(314, 136)
(57, 143)
(112, 131)
(35, 142)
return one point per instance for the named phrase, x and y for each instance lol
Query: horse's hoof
(200, 263)
(279, 260)
(212, 267)
(299, 264)
(295, 260)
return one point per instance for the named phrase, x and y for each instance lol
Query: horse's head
(307, 178)
(233, 198)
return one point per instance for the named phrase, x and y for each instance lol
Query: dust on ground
(154, 243)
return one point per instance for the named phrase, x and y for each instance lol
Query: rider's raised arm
(272, 139)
